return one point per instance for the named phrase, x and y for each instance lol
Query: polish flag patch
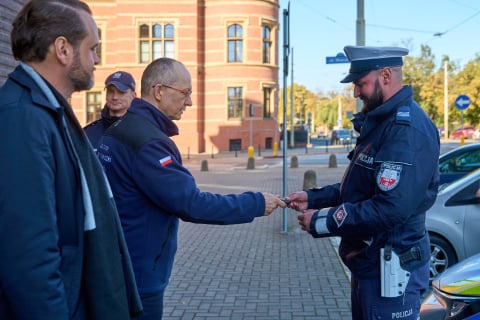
(165, 161)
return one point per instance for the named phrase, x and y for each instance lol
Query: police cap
(365, 59)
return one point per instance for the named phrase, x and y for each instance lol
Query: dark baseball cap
(364, 59)
(121, 80)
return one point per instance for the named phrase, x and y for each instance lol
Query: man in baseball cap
(121, 80)
(120, 88)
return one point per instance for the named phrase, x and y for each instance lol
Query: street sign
(462, 102)
(339, 58)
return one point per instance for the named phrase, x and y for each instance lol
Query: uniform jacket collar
(364, 123)
(107, 117)
(158, 118)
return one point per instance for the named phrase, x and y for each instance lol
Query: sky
(321, 28)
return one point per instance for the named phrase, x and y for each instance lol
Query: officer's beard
(375, 100)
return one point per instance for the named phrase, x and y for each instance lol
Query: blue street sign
(462, 102)
(339, 58)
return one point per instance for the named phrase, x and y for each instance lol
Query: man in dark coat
(63, 251)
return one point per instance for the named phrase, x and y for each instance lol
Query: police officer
(378, 209)
(120, 91)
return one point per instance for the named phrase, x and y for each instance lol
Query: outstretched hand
(272, 202)
(298, 200)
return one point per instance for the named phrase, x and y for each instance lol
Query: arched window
(267, 44)
(156, 40)
(235, 43)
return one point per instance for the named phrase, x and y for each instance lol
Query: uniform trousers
(368, 304)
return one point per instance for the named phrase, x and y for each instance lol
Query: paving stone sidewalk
(256, 271)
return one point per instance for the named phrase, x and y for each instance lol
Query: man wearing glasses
(153, 190)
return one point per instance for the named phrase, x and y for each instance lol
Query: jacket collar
(40, 90)
(158, 118)
(368, 122)
(107, 117)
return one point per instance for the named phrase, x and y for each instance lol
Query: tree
(468, 82)
(304, 101)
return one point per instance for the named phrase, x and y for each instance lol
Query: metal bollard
(294, 162)
(332, 161)
(204, 165)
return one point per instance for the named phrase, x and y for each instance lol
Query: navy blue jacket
(391, 181)
(41, 208)
(152, 190)
(97, 128)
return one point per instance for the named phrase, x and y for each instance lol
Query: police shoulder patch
(403, 115)
(388, 176)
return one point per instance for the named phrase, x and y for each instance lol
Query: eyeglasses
(186, 92)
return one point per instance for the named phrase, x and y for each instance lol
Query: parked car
(321, 135)
(340, 136)
(456, 163)
(455, 293)
(453, 223)
(476, 134)
(465, 131)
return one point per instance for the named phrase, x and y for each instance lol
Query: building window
(235, 144)
(99, 46)
(235, 43)
(267, 44)
(156, 40)
(235, 103)
(94, 106)
(267, 102)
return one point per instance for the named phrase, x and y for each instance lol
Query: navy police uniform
(121, 80)
(97, 128)
(382, 199)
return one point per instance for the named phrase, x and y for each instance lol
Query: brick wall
(8, 11)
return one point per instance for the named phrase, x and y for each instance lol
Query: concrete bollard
(332, 161)
(251, 163)
(309, 179)
(294, 162)
(204, 165)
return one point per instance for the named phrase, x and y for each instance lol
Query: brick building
(230, 48)
(8, 11)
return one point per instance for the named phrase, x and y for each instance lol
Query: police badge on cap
(365, 59)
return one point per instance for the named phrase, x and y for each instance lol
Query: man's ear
(158, 92)
(63, 50)
(386, 75)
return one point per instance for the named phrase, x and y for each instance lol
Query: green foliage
(426, 79)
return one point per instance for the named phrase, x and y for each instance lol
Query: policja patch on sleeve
(388, 176)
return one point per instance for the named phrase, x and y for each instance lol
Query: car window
(464, 162)
(468, 195)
